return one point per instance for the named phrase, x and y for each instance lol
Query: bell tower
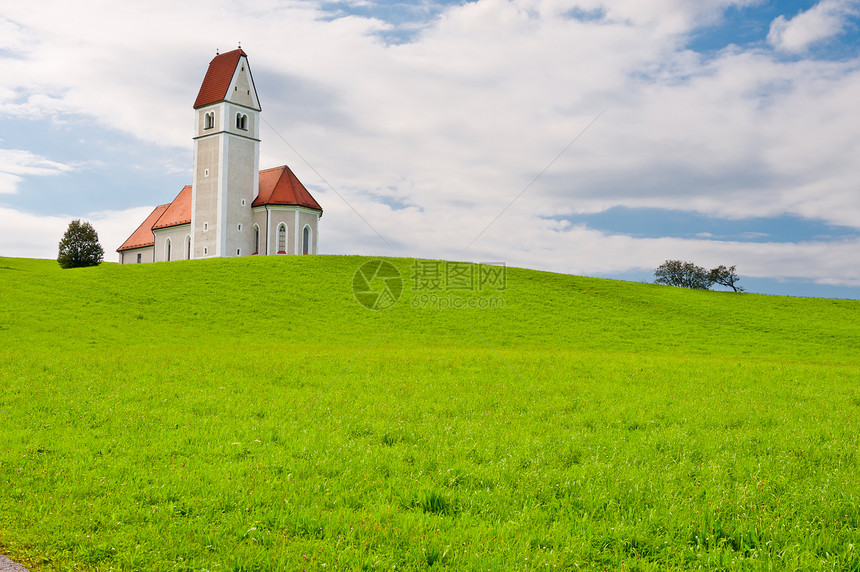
(226, 159)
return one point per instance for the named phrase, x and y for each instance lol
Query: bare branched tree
(725, 277)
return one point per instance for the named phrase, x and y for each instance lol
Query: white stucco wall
(242, 181)
(295, 218)
(177, 236)
(130, 256)
(204, 195)
(260, 219)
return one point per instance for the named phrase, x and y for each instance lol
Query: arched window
(187, 247)
(306, 239)
(282, 239)
(209, 120)
(256, 239)
(241, 121)
(167, 249)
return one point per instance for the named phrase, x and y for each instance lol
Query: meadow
(249, 414)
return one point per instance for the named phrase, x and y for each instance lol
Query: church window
(187, 247)
(238, 252)
(209, 121)
(241, 121)
(282, 239)
(239, 227)
(138, 258)
(306, 239)
(167, 249)
(256, 239)
(205, 251)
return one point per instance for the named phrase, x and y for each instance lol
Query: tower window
(209, 120)
(242, 121)
(239, 227)
(205, 251)
(238, 252)
(243, 202)
(205, 172)
(205, 226)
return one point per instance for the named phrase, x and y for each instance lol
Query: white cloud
(16, 163)
(826, 19)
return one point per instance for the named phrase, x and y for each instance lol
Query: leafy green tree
(684, 274)
(80, 246)
(725, 277)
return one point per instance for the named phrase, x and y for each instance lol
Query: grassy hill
(250, 414)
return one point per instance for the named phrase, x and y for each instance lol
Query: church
(231, 208)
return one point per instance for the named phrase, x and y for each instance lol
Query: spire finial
(217, 52)
(240, 45)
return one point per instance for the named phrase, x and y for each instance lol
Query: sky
(587, 137)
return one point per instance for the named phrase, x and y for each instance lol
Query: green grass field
(249, 414)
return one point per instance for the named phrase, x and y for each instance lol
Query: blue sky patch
(126, 174)
(407, 18)
(586, 15)
(770, 286)
(748, 26)
(657, 223)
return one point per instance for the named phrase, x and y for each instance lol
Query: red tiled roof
(143, 235)
(218, 78)
(179, 211)
(279, 186)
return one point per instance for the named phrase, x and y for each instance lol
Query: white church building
(231, 208)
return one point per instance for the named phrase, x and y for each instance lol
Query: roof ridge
(240, 50)
(273, 168)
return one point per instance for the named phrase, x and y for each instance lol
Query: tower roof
(218, 78)
(280, 186)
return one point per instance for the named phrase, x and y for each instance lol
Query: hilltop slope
(308, 301)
